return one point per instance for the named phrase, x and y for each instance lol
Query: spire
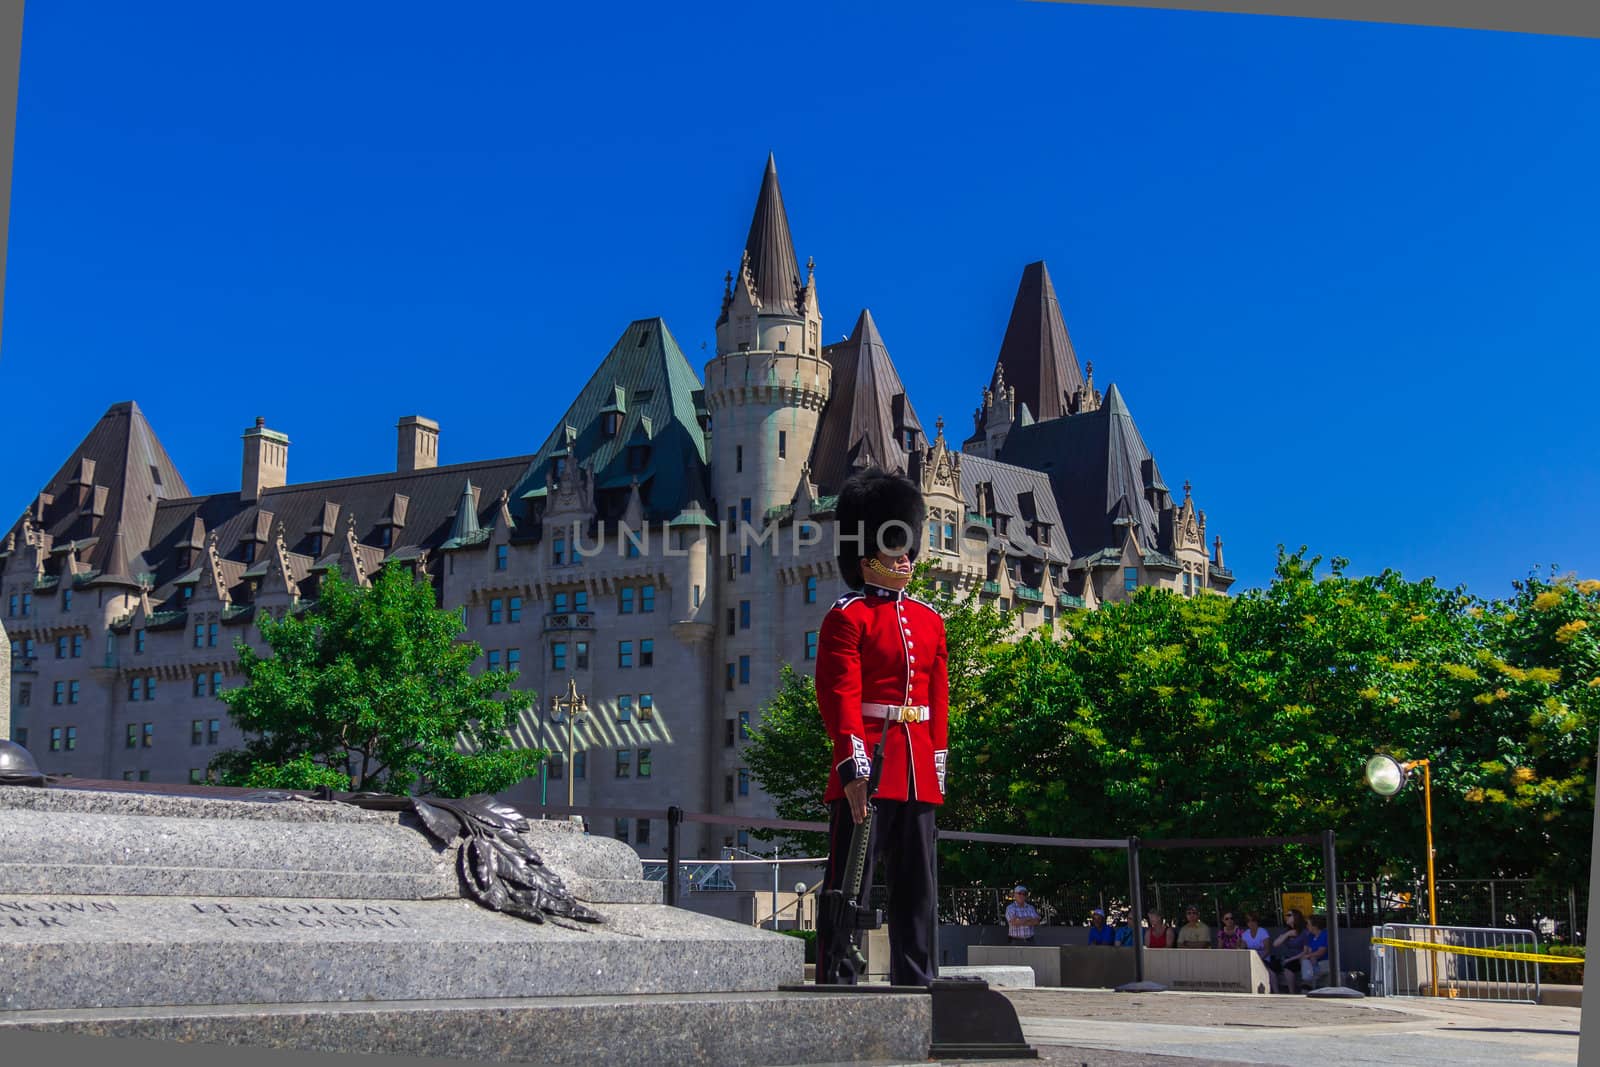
(868, 417)
(117, 572)
(1037, 354)
(769, 249)
(466, 524)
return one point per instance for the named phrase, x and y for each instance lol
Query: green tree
(372, 689)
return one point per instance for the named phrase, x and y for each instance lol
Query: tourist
(1313, 957)
(1158, 934)
(1287, 945)
(1228, 936)
(1258, 939)
(1099, 932)
(1021, 918)
(1193, 933)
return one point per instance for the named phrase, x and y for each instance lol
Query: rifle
(847, 906)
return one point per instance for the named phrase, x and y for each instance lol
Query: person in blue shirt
(1099, 932)
(1314, 956)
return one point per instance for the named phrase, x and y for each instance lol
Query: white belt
(896, 712)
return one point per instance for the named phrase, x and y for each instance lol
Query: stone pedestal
(318, 925)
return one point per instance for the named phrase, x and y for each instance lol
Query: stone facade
(668, 547)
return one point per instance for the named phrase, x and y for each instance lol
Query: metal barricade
(1459, 962)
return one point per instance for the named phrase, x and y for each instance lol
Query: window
(11, 606)
(1049, 613)
(216, 682)
(727, 738)
(1005, 604)
(727, 788)
(128, 776)
(502, 556)
(514, 609)
(27, 604)
(133, 736)
(61, 648)
(199, 635)
(933, 536)
(66, 600)
(150, 687)
(738, 459)
(744, 614)
(138, 642)
(811, 643)
(782, 345)
(55, 739)
(638, 457)
(249, 547)
(644, 763)
(624, 763)
(559, 603)
(144, 776)
(199, 685)
(196, 776)
(647, 598)
(24, 696)
(59, 694)
(513, 659)
(211, 636)
(624, 653)
(632, 551)
(744, 839)
(744, 670)
(197, 733)
(949, 537)
(744, 509)
(27, 648)
(72, 738)
(580, 764)
(554, 766)
(494, 659)
(620, 830)
(733, 566)
(135, 689)
(72, 692)
(149, 735)
(732, 622)
(647, 652)
(77, 645)
(625, 601)
(610, 423)
(1130, 579)
(558, 551)
(641, 834)
(496, 609)
(744, 561)
(744, 782)
(625, 708)
(744, 725)
(733, 517)
(783, 444)
(583, 655)
(213, 731)
(697, 596)
(188, 593)
(811, 589)
(731, 677)
(316, 543)
(580, 600)
(19, 734)
(647, 707)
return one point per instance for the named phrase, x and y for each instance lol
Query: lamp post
(573, 708)
(1387, 776)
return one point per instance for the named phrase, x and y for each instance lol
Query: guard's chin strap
(888, 579)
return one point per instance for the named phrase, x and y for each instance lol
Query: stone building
(667, 547)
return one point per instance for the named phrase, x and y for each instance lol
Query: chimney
(419, 444)
(266, 461)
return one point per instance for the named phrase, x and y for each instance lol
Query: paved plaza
(1105, 1029)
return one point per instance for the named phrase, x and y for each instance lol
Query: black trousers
(903, 839)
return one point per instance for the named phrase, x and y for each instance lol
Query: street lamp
(1386, 776)
(573, 708)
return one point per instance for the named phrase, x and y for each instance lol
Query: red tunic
(884, 647)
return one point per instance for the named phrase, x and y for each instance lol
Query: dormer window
(316, 544)
(385, 536)
(611, 423)
(248, 550)
(638, 457)
(558, 466)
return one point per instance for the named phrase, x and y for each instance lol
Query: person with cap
(1099, 932)
(881, 673)
(1021, 918)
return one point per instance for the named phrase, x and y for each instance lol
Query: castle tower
(769, 380)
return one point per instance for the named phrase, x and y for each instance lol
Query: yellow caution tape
(1491, 953)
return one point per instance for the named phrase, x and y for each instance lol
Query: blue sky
(1345, 275)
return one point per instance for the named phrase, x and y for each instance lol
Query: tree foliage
(372, 689)
(1211, 716)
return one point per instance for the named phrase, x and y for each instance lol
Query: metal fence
(1448, 971)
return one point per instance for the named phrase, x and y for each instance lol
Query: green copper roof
(647, 376)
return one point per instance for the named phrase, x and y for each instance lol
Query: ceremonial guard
(881, 667)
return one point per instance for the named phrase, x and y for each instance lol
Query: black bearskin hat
(877, 511)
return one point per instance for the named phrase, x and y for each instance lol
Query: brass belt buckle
(909, 714)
